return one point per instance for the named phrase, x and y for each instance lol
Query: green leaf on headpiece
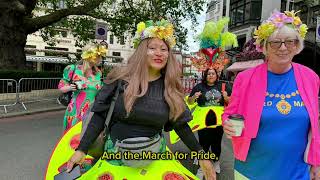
(149, 23)
(215, 57)
(290, 26)
(163, 22)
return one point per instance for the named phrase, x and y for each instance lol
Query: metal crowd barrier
(37, 89)
(8, 93)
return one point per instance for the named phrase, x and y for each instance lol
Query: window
(31, 52)
(239, 15)
(57, 5)
(122, 40)
(245, 11)
(116, 53)
(31, 46)
(62, 4)
(315, 14)
(256, 10)
(62, 33)
(56, 53)
(111, 39)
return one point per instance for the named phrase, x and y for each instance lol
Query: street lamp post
(316, 31)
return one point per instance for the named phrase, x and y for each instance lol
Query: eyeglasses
(290, 43)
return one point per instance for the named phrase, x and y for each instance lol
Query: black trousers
(211, 137)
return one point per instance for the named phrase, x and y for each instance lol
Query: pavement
(31, 108)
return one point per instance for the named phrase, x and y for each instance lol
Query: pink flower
(70, 74)
(61, 84)
(280, 19)
(259, 48)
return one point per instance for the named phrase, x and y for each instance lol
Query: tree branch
(34, 24)
(132, 9)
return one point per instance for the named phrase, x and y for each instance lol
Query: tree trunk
(12, 38)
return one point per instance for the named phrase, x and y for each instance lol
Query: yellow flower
(303, 30)
(297, 21)
(88, 54)
(264, 31)
(291, 13)
(169, 30)
(161, 29)
(92, 54)
(140, 27)
(101, 51)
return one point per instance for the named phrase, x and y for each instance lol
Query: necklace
(283, 106)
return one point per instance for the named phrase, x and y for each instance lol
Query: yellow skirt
(203, 117)
(158, 169)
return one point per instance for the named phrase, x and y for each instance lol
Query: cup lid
(237, 117)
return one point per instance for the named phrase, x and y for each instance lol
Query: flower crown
(160, 29)
(276, 21)
(93, 53)
(213, 41)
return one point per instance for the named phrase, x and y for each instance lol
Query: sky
(194, 46)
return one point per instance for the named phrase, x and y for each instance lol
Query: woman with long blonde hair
(83, 79)
(151, 98)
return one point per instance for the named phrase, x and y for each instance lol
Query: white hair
(288, 31)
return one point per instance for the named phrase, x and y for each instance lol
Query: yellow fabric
(156, 170)
(238, 176)
(198, 122)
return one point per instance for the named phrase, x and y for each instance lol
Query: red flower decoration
(98, 86)
(75, 141)
(106, 176)
(84, 109)
(173, 176)
(76, 77)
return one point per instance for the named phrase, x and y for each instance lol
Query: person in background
(151, 79)
(211, 94)
(279, 103)
(85, 77)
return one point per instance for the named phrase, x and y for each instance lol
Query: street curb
(31, 112)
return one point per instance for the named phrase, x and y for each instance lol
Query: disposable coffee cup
(78, 84)
(237, 122)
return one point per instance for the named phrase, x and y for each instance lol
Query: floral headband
(160, 29)
(276, 21)
(93, 53)
(213, 42)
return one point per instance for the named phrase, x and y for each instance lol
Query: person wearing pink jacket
(279, 103)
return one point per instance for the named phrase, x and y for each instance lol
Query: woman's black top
(210, 95)
(149, 116)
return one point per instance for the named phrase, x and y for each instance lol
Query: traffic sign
(101, 31)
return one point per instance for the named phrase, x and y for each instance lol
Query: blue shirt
(278, 150)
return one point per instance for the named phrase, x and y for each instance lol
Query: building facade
(215, 10)
(246, 15)
(43, 57)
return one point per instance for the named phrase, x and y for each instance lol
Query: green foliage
(122, 17)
